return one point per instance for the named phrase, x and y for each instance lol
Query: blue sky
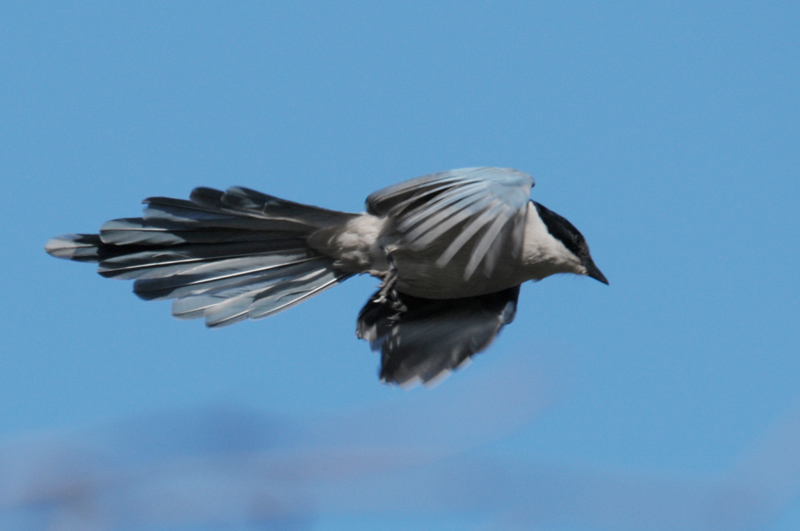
(669, 133)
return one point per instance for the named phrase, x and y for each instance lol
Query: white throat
(542, 254)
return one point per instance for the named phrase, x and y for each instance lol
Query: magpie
(451, 250)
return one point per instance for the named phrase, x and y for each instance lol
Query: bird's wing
(431, 337)
(478, 210)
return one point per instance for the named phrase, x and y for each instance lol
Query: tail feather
(182, 285)
(244, 199)
(275, 298)
(227, 256)
(186, 306)
(294, 292)
(170, 261)
(138, 231)
(78, 247)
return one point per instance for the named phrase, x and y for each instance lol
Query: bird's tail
(226, 256)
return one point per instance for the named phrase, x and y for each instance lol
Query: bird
(451, 250)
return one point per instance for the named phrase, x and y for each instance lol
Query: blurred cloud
(225, 467)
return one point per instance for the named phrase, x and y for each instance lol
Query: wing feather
(430, 338)
(459, 211)
(476, 223)
(437, 223)
(481, 250)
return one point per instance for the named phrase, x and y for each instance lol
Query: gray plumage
(427, 338)
(451, 250)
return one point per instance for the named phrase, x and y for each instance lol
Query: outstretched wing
(478, 210)
(431, 337)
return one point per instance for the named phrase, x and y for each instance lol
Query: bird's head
(572, 240)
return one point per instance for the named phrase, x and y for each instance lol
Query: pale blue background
(669, 133)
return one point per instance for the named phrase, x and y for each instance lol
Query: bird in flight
(451, 250)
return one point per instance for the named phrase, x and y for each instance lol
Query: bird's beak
(593, 272)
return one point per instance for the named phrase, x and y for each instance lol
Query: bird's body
(364, 244)
(451, 249)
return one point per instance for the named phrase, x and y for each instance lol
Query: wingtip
(406, 385)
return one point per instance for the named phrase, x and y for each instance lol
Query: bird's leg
(388, 293)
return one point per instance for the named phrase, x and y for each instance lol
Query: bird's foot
(388, 294)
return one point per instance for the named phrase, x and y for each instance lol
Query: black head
(573, 240)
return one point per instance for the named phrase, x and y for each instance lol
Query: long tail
(226, 256)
